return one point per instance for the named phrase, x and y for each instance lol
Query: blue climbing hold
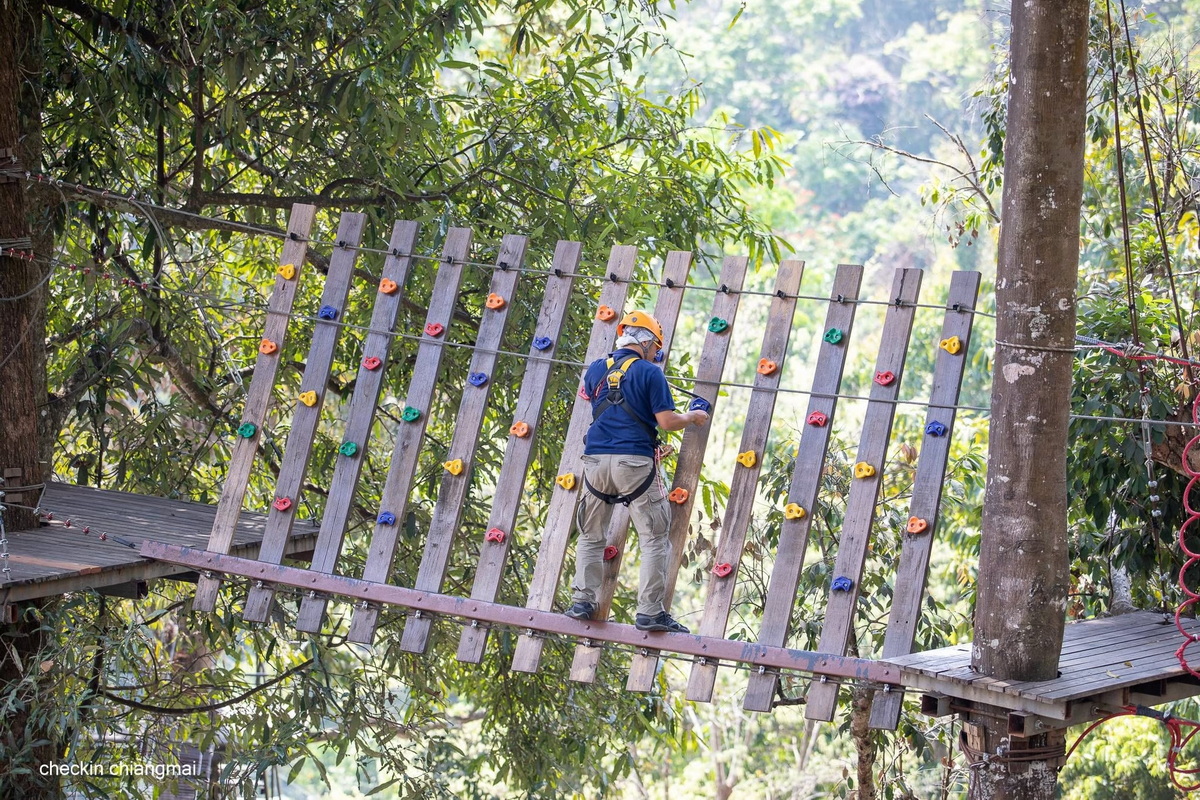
(386, 518)
(327, 312)
(477, 378)
(935, 428)
(542, 342)
(699, 404)
(842, 584)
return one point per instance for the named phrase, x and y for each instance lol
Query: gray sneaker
(662, 622)
(581, 610)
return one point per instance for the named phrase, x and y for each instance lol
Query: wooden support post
(452, 493)
(695, 442)
(561, 514)
(510, 485)
(744, 484)
(409, 436)
(909, 586)
(258, 399)
(666, 311)
(360, 418)
(289, 486)
(807, 470)
(864, 490)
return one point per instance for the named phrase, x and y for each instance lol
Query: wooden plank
(510, 484)
(744, 484)
(258, 398)
(409, 436)
(807, 470)
(860, 505)
(666, 310)
(695, 442)
(515, 616)
(908, 589)
(361, 416)
(560, 516)
(289, 486)
(452, 493)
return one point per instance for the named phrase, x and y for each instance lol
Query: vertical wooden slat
(258, 399)
(693, 446)
(561, 514)
(409, 436)
(806, 479)
(666, 311)
(452, 493)
(361, 417)
(860, 505)
(510, 485)
(909, 586)
(744, 485)
(305, 418)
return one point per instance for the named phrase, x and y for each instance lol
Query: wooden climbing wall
(542, 299)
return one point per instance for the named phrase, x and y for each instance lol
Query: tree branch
(110, 22)
(184, 711)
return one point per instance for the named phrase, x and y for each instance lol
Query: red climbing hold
(723, 570)
(610, 553)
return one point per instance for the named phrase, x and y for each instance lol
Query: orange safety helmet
(641, 319)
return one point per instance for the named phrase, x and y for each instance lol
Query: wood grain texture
(864, 492)
(909, 586)
(560, 516)
(410, 435)
(360, 419)
(258, 398)
(510, 484)
(807, 470)
(709, 369)
(744, 484)
(452, 492)
(666, 310)
(305, 418)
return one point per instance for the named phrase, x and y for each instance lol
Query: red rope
(1180, 732)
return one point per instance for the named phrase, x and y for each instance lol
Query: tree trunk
(23, 309)
(1023, 568)
(866, 743)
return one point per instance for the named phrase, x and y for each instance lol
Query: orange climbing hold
(766, 366)
(605, 314)
(267, 347)
(388, 286)
(917, 525)
(495, 302)
(519, 429)
(678, 495)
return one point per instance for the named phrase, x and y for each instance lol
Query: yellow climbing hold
(454, 467)
(863, 470)
(951, 345)
(308, 398)
(566, 480)
(748, 458)
(794, 511)
(288, 271)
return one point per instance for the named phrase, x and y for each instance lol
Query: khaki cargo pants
(621, 474)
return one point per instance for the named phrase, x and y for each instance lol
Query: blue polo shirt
(646, 393)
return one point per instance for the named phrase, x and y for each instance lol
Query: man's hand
(698, 417)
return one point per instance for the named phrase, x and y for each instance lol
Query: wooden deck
(1105, 662)
(54, 559)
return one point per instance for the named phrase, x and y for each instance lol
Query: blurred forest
(833, 131)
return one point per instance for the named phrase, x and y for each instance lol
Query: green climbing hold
(716, 324)
(348, 448)
(410, 414)
(247, 430)
(833, 335)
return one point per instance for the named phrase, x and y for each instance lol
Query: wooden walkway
(1106, 662)
(54, 559)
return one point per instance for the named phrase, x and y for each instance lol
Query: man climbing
(630, 398)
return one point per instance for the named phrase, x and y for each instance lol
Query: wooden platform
(53, 559)
(1106, 662)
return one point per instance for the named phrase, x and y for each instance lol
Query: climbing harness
(615, 398)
